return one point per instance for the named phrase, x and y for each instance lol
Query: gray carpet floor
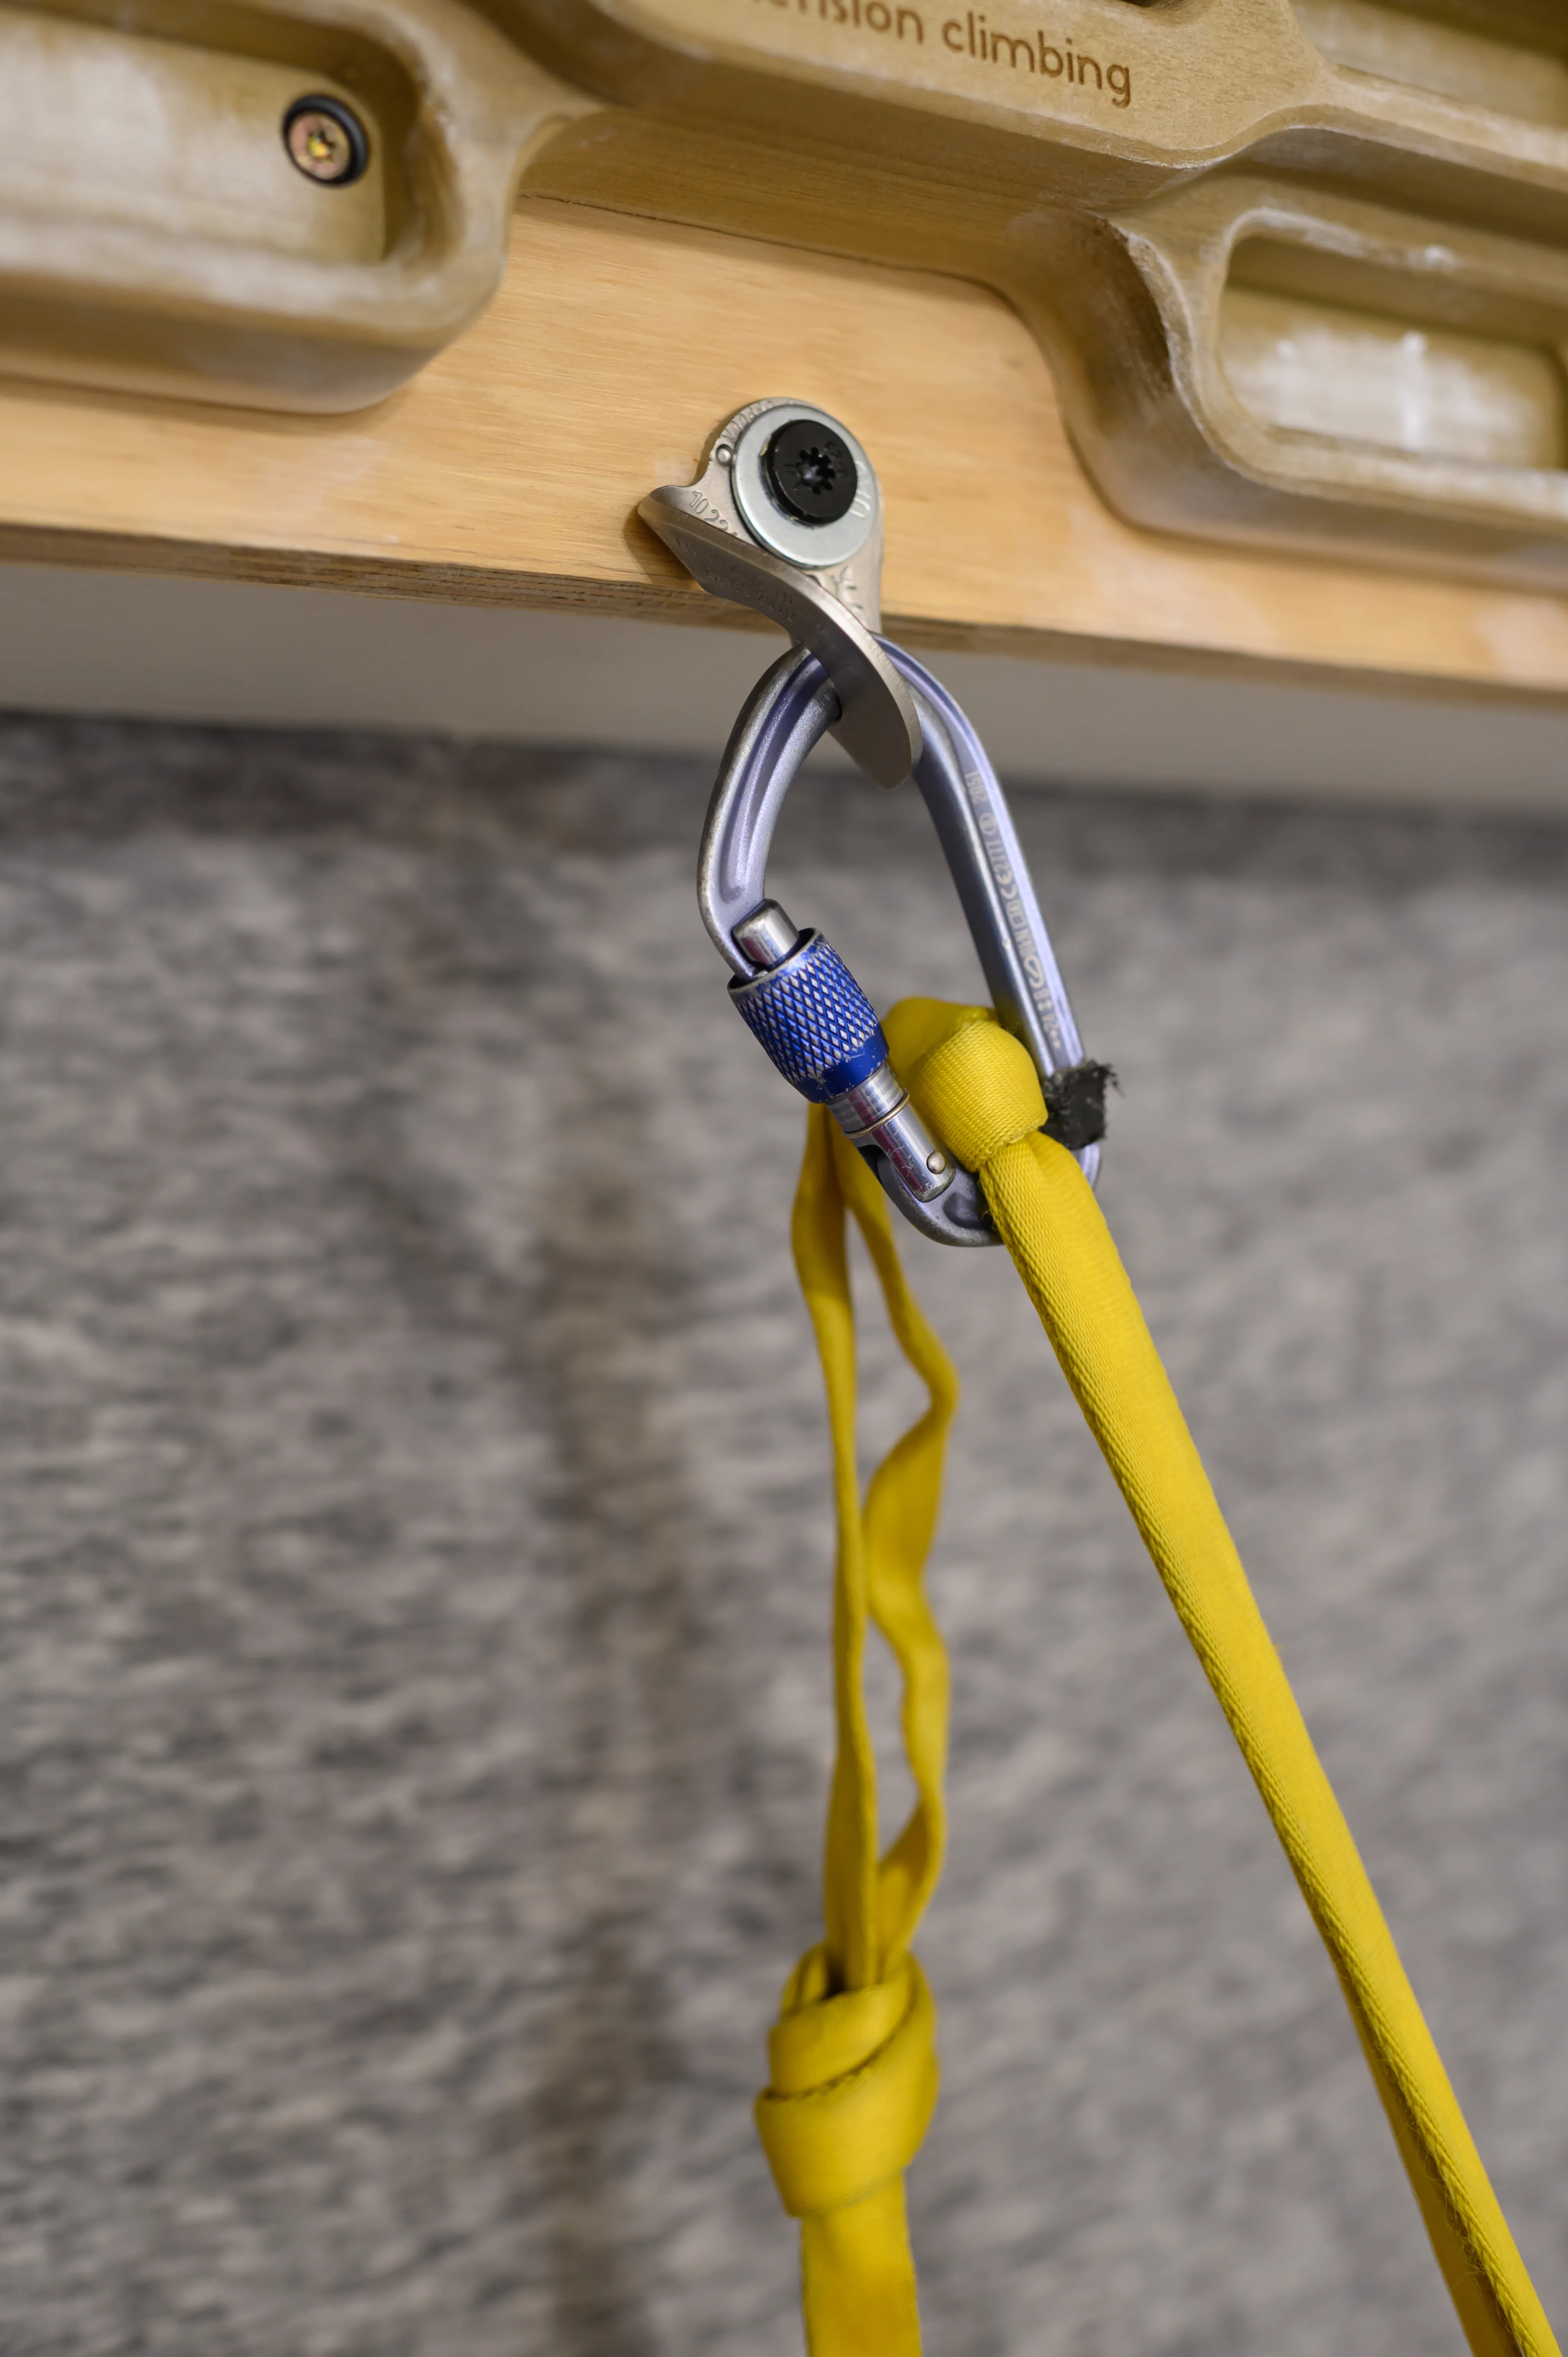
(415, 1566)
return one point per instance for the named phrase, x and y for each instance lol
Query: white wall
(78, 642)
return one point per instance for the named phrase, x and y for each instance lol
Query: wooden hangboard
(507, 472)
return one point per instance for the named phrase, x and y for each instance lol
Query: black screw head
(809, 471)
(326, 140)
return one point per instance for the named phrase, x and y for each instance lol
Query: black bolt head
(811, 472)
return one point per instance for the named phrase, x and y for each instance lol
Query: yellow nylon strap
(977, 1089)
(853, 2058)
(853, 2054)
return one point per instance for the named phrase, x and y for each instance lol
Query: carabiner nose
(793, 990)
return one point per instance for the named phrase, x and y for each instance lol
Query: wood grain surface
(507, 472)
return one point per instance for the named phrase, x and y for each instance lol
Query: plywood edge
(508, 475)
(679, 603)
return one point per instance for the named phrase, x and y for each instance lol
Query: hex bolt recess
(326, 140)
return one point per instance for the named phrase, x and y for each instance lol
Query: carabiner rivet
(936, 1164)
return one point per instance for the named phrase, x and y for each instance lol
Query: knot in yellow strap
(852, 2077)
(853, 2085)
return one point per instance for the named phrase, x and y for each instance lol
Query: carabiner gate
(792, 989)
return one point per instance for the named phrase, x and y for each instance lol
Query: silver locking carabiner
(801, 1001)
(793, 990)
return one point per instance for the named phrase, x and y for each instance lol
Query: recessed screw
(811, 472)
(326, 140)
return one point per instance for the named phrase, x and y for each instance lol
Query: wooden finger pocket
(293, 206)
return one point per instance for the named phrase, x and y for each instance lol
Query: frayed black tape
(1075, 1104)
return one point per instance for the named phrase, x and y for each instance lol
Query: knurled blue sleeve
(814, 1021)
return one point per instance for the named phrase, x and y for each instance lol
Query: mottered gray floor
(413, 1567)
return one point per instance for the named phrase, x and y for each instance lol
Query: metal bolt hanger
(786, 518)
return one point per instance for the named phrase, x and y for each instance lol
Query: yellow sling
(854, 2069)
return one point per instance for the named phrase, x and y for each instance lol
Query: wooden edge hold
(508, 473)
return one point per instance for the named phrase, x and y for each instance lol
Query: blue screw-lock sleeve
(814, 1021)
